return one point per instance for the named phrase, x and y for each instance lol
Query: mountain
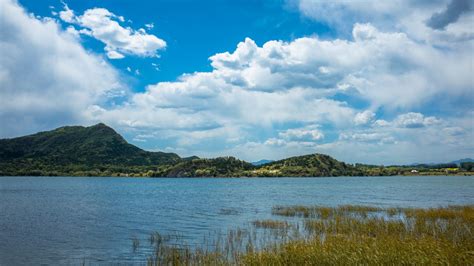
(75, 148)
(460, 161)
(217, 167)
(261, 162)
(315, 165)
(456, 163)
(100, 151)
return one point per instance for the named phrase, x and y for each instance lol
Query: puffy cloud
(408, 138)
(67, 14)
(391, 144)
(364, 118)
(381, 138)
(280, 84)
(302, 134)
(388, 69)
(150, 26)
(450, 15)
(419, 19)
(104, 26)
(343, 14)
(257, 101)
(114, 55)
(40, 86)
(415, 120)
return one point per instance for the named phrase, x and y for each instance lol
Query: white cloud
(40, 86)
(437, 22)
(257, 101)
(415, 120)
(149, 26)
(67, 14)
(381, 123)
(363, 118)
(302, 134)
(103, 25)
(376, 137)
(441, 142)
(114, 55)
(279, 82)
(386, 68)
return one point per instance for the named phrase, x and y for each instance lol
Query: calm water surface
(53, 220)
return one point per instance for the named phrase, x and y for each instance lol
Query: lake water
(66, 220)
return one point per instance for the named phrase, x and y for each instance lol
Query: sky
(379, 82)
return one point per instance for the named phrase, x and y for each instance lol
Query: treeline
(100, 151)
(315, 165)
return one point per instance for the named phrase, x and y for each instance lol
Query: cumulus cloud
(381, 138)
(441, 141)
(415, 120)
(282, 83)
(40, 86)
(259, 101)
(104, 26)
(418, 19)
(67, 14)
(386, 68)
(341, 14)
(450, 15)
(308, 133)
(364, 118)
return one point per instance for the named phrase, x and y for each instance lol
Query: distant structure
(414, 171)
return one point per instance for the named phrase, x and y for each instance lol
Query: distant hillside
(75, 148)
(100, 151)
(217, 167)
(308, 165)
(261, 162)
(466, 160)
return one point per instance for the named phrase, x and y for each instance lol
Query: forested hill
(308, 165)
(74, 149)
(100, 151)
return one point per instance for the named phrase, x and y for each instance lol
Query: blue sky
(193, 33)
(369, 81)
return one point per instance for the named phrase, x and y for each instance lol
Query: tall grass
(271, 224)
(344, 235)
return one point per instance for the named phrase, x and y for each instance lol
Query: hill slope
(307, 165)
(100, 151)
(75, 148)
(197, 167)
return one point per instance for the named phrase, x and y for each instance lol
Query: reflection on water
(71, 219)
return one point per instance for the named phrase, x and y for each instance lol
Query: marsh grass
(271, 224)
(344, 235)
(225, 211)
(135, 244)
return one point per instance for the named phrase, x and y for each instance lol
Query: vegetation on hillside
(76, 150)
(100, 151)
(218, 167)
(313, 165)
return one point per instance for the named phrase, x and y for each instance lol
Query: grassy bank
(345, 235)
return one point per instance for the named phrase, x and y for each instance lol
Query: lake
(51, 220)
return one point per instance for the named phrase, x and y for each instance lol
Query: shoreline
(234, 177)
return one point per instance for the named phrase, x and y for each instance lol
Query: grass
(323, 212)
(344, 235)
(135, 244)
(271, 224)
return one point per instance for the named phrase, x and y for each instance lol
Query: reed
(344, 235)
(271, 224)
(135, 244)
